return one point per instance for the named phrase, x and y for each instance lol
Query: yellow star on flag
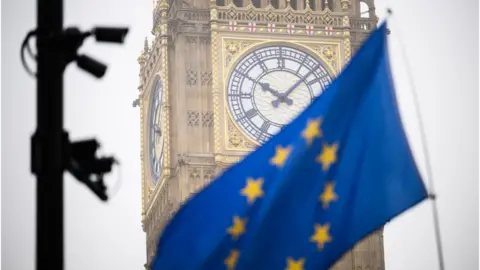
(237, 228)
(281, 155)
(328, 155)
(312, 130)
(253, 189)
(295, 264)
(321, 235)
(328, 195)
(231, 260)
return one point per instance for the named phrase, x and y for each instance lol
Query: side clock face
(155, 144)
(272, 85)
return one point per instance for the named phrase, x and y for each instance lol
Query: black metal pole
(48, 140)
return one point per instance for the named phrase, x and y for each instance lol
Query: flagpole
(432, 194)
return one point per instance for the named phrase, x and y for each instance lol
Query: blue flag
(335, 174)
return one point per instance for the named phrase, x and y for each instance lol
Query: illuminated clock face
(155, 144)
(270, 86)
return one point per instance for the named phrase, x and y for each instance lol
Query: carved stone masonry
(198, 159)
(199, 176)
(345, 5)
(205, 40)
(193, 118)
(188, 28)
(236, 139)
(194, 174)
(206, 78)
(207, 119)
(194, 179)
(192, 77)
(197, 16)
(191, 40)
(208, 176)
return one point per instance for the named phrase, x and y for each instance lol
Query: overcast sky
(441, 41)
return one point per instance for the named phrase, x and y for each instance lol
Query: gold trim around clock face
(234, 49)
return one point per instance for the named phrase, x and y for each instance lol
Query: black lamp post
(52, 152)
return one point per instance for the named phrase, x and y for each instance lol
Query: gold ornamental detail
(142, 165)
(216, 90)
(166, 95)
(236, 140)
(269, 14)
(346, 40)
(234, 47)
(348, 49)
(227, 160)
(328, 53)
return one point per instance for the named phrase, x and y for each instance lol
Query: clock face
(272, 85)
(155, 145)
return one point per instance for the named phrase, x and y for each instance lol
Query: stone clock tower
(210, 85)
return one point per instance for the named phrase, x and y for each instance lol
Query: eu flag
(338, 172)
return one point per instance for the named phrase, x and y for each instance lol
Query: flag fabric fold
(335, 174)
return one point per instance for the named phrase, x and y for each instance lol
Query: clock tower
(221, 77)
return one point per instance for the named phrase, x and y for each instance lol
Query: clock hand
(284, 96)
(158, 130)
(266, 87)
(300, 81)
(275, 103)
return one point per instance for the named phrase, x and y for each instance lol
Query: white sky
(440, 38)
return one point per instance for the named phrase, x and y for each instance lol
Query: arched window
(274, 3)
(325, 5)
(237, 3)
(293, 3)
(364, 10)
(220, 2)
(256, 3)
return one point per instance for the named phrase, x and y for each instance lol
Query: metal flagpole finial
(389, 13)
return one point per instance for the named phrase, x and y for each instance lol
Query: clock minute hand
(290, 90)
(284, 97)
(157, 130)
